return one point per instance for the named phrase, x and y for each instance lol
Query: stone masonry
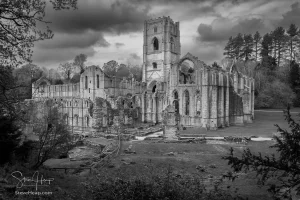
(201, 95)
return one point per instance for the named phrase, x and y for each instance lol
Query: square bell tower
(161, 48)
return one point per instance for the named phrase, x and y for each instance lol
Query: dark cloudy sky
(107, 30)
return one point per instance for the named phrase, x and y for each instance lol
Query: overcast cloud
(106, 30)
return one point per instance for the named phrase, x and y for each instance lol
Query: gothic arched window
(87, 121)
(86, 82)
(155, 44)
(97, 81)
(76, 120)
(187, 103)
(176, 101)
(154, 65)
(172, 44)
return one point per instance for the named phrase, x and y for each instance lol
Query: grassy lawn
(263, 125)
(154, 158)
(151, 158)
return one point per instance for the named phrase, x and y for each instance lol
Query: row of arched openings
(186, 102)
(76, 122)
(98, 81)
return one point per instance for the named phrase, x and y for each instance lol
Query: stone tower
(161, 48)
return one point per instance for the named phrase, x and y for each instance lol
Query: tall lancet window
(155, 44)
(187, 103)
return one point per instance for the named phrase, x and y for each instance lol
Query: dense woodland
(273, 60)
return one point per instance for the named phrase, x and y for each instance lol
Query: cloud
(222, 28)
(205, 52)
(53, 57)
(134, 59)
(291, 17)
(119, 44)
(116, 17)
(63, 40)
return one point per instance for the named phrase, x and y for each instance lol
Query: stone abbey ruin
(192, 93)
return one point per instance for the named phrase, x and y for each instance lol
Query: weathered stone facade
(201, 95)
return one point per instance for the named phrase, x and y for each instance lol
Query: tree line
(272, 60)
(279, 44)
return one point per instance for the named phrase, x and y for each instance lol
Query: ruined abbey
(195, 93)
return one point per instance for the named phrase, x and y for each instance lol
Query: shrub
(165, 187)
(275, 94)
(281, 172)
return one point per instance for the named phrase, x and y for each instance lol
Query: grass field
(152, 157)
(155, 158)
(263, 125)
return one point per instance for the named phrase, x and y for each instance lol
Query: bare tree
(19, 31)
(55, 139)
(67, 70)
(79, 61)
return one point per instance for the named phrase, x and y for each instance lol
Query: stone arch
(154, 89)
(151, 85)
(155, 43)
(186, 71)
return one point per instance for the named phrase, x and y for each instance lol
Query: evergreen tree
(293, 40)
(283, 167)
(248, 46)
(229, 53)
(238, 43)
(266, 45)
(295, 81)
(257, 47)
(279, 39)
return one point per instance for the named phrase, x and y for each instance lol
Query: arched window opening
(76, 120)
(154, 65)
(155, 44)
(198, 103)
(87, 121)
(187, 103)
(97, 81)
(155, 29)
(172, 44)
(67, 119)
(187, 72)
(154, 89)
(86, 82)
(176, 102)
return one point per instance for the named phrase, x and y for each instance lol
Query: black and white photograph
(149, 100)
